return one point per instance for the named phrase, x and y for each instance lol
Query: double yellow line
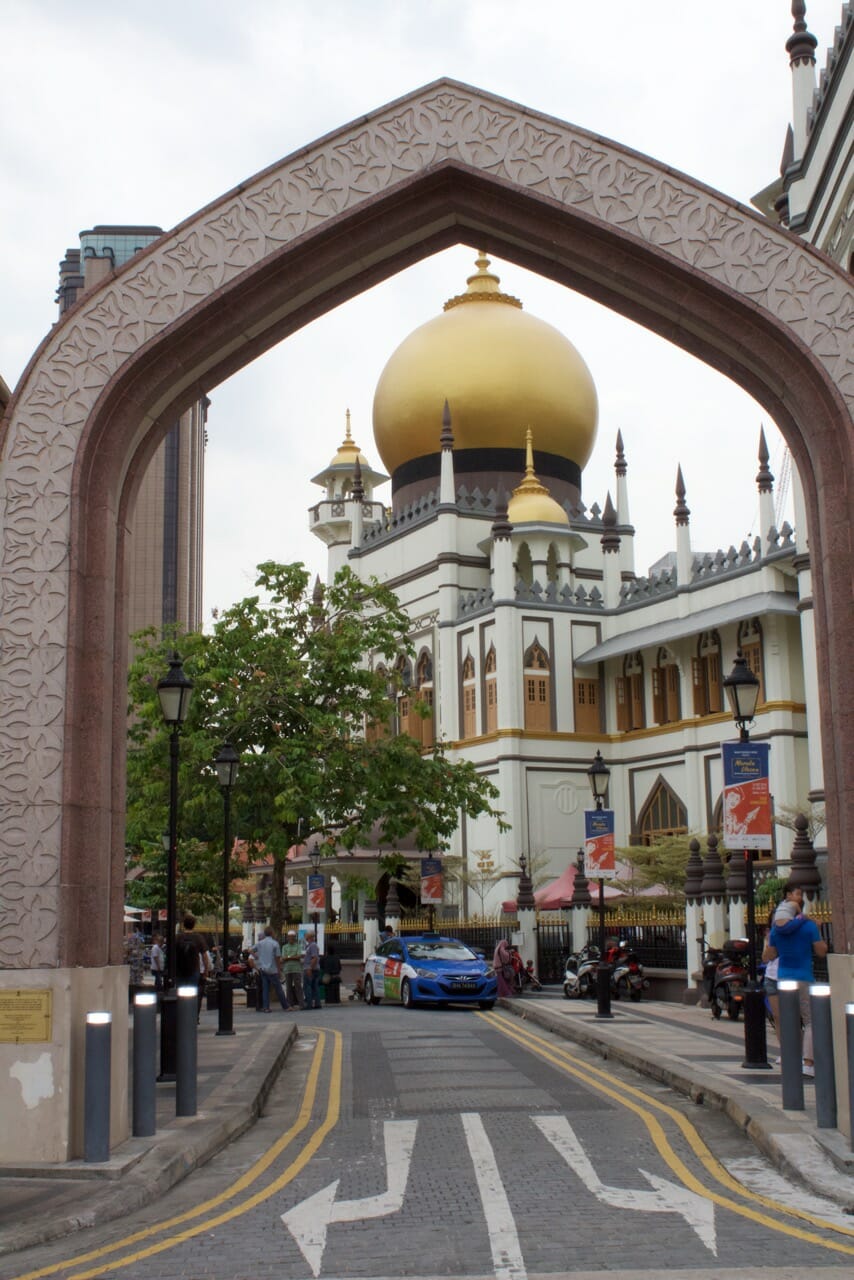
(644, 1106)
(204, 1217)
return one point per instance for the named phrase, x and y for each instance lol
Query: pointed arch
(663, 814)
(706, 677)
(525, 565)
(424, 724)
(538, 689)
(445, 163)
(469, 697)
(490, 679)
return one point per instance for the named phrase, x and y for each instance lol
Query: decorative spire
(358, 487)
(525, 897)
(531, 501)
(620, 465)
(801, 45)
(764, 478)
(693, 870)
(446, 439)
(501, 526)
(580, 884)
(680, 511)
(713, 884)
(610, 538)
(347, 437)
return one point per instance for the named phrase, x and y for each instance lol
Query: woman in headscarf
(502, 964)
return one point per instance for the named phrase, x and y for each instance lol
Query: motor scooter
(725, 976)
(627, 976)
(579, 978)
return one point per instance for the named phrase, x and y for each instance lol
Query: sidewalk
(679, 1045)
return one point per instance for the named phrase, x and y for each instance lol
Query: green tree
(291, 681)
(663, 862)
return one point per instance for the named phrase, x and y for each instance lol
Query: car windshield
(439, 951)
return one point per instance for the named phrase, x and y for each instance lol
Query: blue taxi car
(428, 969)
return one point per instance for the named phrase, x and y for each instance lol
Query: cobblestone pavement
(456, 1144)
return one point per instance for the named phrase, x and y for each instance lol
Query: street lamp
(174, 691)
(226, 764)
(742, 688)
(598, 775)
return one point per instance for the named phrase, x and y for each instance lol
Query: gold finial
(483, 286)
(530, 484)
(347, 435)
(531, 500)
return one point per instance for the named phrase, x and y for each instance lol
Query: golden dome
(348, 450)
(498, 367)
(531, 502)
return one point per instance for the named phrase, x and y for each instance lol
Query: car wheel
(370, 998)
(406, 994)
(486, 1004)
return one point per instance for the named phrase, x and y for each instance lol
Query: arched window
(666, 697)
(538, 705)
(375, 729)
(750, 644)
(706, 675)
(490, 668)
(405, 714)
(663, 815)
(551, 563)
(631, 709)
(424, 684)
(525, 565)
(469, 698)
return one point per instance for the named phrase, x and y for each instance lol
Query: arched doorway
(445, 164)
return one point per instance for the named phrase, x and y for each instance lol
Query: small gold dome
(497, 366)
(348, 450)
(531, 502)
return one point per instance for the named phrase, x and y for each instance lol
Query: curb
(144, 1169)
(814, 1161)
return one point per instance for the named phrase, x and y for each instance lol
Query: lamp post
(598, 775)
(742, 689)
(226, 764)
(174, 691)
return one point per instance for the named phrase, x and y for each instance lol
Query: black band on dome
(467, 462)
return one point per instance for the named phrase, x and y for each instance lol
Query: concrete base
(42, 1084)
(840, 970)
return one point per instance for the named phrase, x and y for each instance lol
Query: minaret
(683, 533)
(611, 552)
(447, 484)
(334, 518)
(800, 47)
(765, 485)
(627, 542)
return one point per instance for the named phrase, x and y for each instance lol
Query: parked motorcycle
(627, 976)
(725, 976)
(242, 971)
(579, 978)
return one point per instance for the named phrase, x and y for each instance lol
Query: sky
(143, 114)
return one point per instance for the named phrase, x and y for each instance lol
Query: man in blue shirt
(269, 956)
(795, 939)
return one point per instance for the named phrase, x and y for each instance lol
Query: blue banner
(746, 795)
(599, 855)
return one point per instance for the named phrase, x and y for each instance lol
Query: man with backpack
(191, 958)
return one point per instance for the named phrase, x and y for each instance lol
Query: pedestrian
(269, 956)
(292, 968)
(311, 973)
(769, 977)
(191, 958)
(502, 964)
(331, 979)
(795, 940)
(157, 961)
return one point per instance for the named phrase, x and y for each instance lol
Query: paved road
(457, 1144)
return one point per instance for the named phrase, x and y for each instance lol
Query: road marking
(319, 1135)
(503, 1240)
(625, 1096)
(309, 1221)
(666, 1197)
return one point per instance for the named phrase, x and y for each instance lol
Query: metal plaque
(26, 1015)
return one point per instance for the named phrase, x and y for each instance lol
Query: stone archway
(447, 163)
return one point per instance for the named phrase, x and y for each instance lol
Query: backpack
(186, 958)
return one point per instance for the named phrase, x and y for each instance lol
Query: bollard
(225, 1001)
(96, 1113)
(791, 1051)
(825, 1071)
(186, 1051)
(144, 1063)
(849, 1046)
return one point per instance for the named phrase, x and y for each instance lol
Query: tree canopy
(290, 678)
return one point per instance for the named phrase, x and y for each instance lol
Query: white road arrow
(666, 1197)
(309, 1220)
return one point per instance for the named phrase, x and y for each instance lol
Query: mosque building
(536, 641)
